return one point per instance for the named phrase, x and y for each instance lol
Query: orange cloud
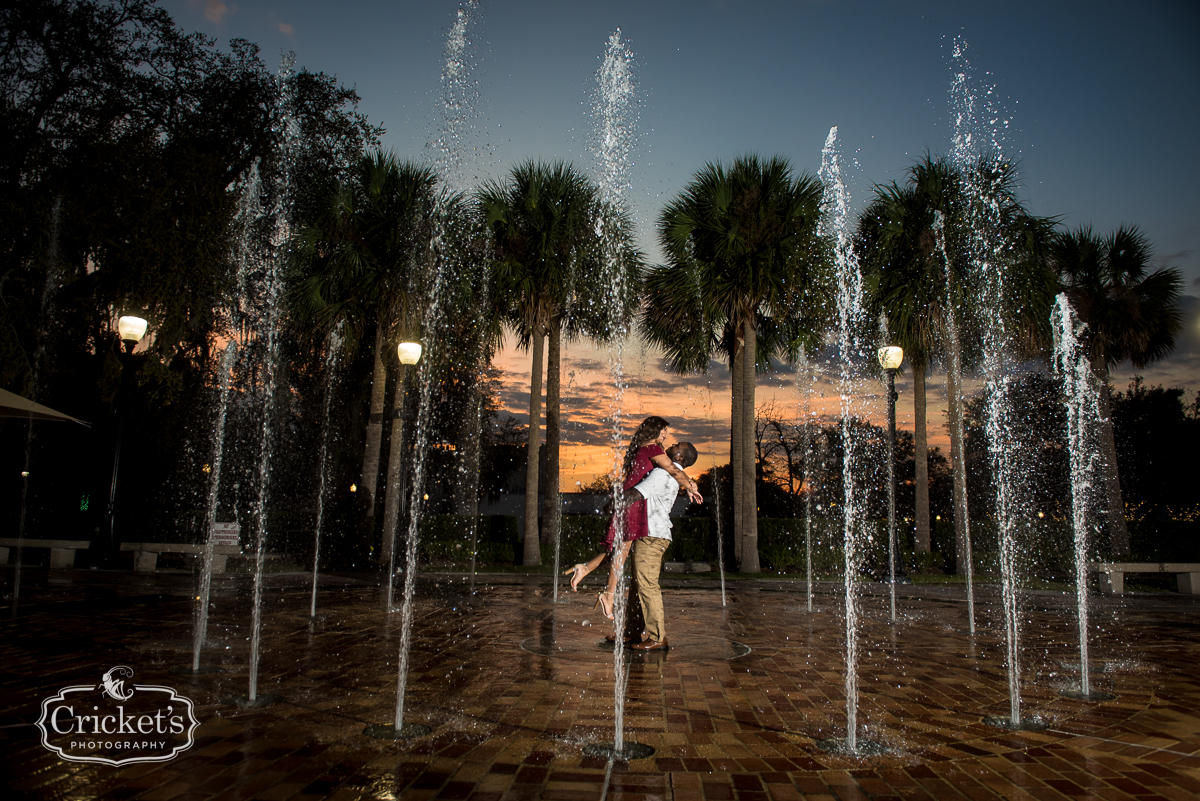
(215, 10)
(696, 406)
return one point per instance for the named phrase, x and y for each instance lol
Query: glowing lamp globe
(891, 357)
(409, 352)
(131, 329)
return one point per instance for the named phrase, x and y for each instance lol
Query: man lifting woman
(653, 477)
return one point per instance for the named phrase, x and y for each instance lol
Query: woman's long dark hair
(646, 433)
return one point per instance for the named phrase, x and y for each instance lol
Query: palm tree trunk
(735, 450)
(370, 465)
(749, 500)
(921, 448)
(1118, 531)
(533, 552)
(394, 490)
(959, 463)
(552, 506)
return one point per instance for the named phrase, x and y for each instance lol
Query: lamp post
(890, 358)
(409, 354)
(131, 330)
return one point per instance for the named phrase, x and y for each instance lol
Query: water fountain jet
(836, 215)
(333, 348)
(1082, 402)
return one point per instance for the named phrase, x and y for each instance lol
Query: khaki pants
(647, 565)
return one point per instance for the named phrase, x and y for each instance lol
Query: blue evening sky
(1103, 97)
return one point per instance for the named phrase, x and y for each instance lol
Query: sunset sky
(1100, 97)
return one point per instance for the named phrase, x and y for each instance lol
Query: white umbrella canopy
(13, 405)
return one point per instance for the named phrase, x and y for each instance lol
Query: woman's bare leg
(605, 599)
(580, 571)
(614, 569)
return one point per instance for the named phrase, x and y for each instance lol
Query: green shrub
(932, 563)
(782, 546)
(692, 540)
(1164, 540)
(580, 539)
(1045, 547)
(446, 540)
(581, 536)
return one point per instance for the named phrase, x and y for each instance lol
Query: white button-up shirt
(660, 489)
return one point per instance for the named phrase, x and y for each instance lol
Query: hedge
(1045, 547)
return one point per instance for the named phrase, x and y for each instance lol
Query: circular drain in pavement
(841, 747)
(1094, 695)
(1025, 724)
(406, 732)
(689, 650)
(607, 750)
(266, 699)
(186, 670)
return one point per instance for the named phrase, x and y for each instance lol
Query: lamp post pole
(409, 354)
(131, 330)
(890, 359)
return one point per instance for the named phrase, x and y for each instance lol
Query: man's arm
(684, 480)
(658, 485)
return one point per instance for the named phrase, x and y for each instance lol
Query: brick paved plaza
(515, 686)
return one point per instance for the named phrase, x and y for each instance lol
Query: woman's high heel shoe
(577, 573)
(604, 602)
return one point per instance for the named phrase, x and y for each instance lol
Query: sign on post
(226, 534)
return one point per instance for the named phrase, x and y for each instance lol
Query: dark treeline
(130, 143)
(799, 468)
(126, 143)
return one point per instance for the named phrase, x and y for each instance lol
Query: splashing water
(716, 495)
(248, 256)
(614, 111)
(805, 389)
(250, 211)
(1082, 401)
(39, 355)
(836, 214)
(973, 142)
(431, 324)
(228, 358)
(288, 132)
(958, 456)
(459, 102)
(890, 379)
(459, 153)
(332, 354)
(455, 151)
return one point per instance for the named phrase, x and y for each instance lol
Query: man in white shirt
(660, 489)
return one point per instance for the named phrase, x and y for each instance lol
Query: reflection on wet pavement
(514, 687)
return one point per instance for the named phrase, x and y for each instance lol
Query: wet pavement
(515, 687)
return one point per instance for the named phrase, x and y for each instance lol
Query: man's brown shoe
(650, 645)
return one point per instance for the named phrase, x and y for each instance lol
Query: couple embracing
(653, 477)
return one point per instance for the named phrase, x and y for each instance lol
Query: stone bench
(62, 552)
(1113, 574)
(686, 567)
(145, 556)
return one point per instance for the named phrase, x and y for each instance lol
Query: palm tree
(744, 269)
(543, 222)
(1130, 314)
(358, 259)
(906, 279)
(915, 246)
